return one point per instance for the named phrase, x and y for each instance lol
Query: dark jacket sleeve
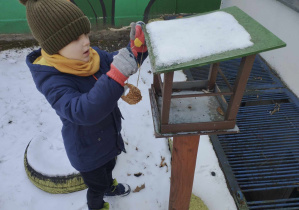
(83, 109)
(105, 66)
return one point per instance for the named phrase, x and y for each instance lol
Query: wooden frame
(166, 89)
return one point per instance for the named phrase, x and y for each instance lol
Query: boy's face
(77, 49)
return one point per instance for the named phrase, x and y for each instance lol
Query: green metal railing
(108, 12)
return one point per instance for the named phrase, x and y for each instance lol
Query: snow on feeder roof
(182, 40)
(206, 38)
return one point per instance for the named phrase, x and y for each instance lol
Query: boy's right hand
(123, 65)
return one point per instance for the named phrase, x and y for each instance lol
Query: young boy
(83, 85)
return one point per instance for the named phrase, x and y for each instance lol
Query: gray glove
(125, 62)
(133, 31)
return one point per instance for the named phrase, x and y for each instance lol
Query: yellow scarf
(71, 66)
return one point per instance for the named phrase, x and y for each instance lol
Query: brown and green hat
(55, 23)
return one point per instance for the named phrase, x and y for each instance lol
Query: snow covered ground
(26, 116)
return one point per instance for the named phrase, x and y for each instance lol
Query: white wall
(284, 23)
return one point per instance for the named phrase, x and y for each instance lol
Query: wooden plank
(156, 83)
(221, 99)
(160, 81)
(239, 87)
(214, 67)
(166, 97)
(155, 110)
(210, 132)
(201, 95)
(186, 85)
(203, 126)
(184, 155)
(225, 79)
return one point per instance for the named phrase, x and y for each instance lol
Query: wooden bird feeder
(186, 110)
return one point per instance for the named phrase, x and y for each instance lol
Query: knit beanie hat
(55, 23)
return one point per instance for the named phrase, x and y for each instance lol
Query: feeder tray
(134, 95)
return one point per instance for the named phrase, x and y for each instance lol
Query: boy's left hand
(137, 40)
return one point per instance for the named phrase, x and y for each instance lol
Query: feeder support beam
(213, 75)
(184, 154)
(239, 87)
(166, 97)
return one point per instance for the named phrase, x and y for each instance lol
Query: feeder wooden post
(157, 83)
(213, 75)
(166, 94)
(239, 87)
(183, 164)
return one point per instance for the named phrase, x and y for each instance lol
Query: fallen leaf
(139, 188)
(220, 111)
(205, 91)
(162, 164)
(276, 109)
(138, 174)
(162, 160)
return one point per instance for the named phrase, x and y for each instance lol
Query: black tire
(53, 184)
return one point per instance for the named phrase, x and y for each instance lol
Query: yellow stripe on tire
(53, 184)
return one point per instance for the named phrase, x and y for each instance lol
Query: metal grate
(260, 77)
(261, 163)
(264, 156)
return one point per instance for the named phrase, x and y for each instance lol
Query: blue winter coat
(87, 108)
